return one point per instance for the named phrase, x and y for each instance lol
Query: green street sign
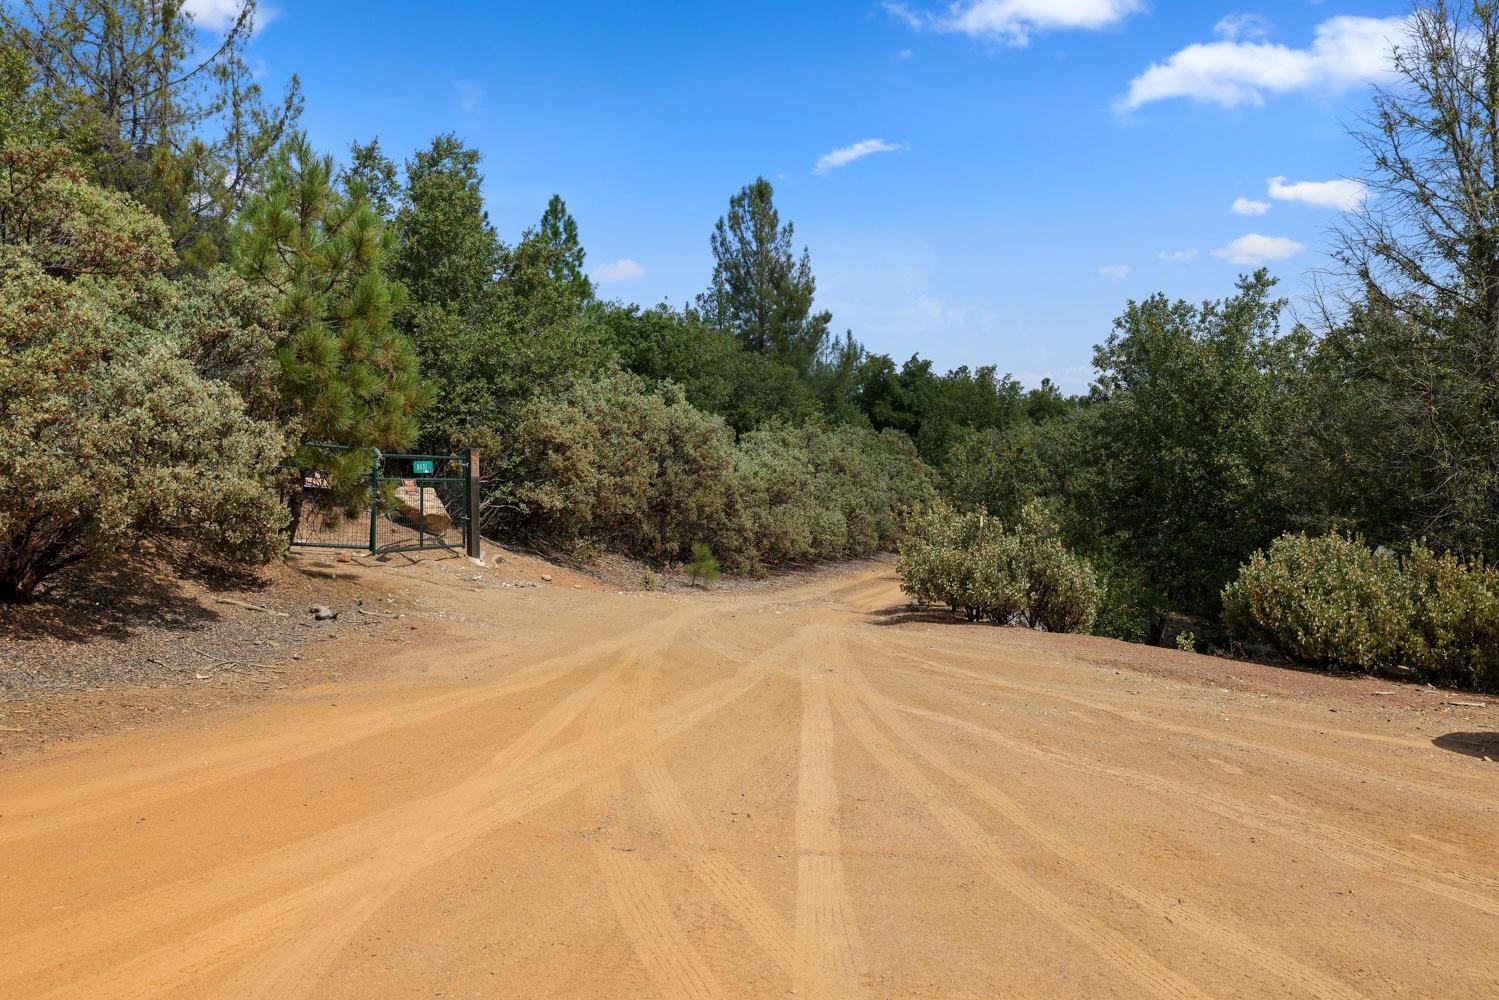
(422, 467)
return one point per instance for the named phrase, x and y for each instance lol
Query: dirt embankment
(805, 790)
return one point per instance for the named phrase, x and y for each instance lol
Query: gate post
(375, 463)
(475, 551)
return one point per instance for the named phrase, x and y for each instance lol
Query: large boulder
(419, 506)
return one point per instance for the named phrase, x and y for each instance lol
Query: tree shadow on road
(905, 614)
(1470, 744)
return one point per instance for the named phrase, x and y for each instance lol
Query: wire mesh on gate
(382, 503)
(332, 505)
(423, 503)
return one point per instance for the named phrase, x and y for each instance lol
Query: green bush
(615, 463)
(1062, 588)
(607, 463)
(704, 567)
(1457, 619)
(1325, 600)
(1331, 600)
(1129, 603)
(816, 493)
(107, 433)
(935, 565)
(983, 572)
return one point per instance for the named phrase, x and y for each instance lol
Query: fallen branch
(251, 607)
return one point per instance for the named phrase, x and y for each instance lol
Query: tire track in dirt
(1291, 726)
(285, 970)
(1366, 853)
(727, 882)
(826, 936)
(550, 778)
(1107, 941)
(98, 799)
(1357, 851)
(613, 728)
(315, 877)
(1351, 771)
(1069, 859)
(528, 785)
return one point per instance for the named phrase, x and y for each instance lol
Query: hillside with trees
(191, 295)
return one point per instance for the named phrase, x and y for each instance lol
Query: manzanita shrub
(1457, 619)
(1023, 575)
(1334, 601)
(109, 432)
(610, 462)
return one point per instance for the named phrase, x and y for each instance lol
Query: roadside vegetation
(190, 294)
(1018, 576)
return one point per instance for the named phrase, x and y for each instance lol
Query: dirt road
(784, 792)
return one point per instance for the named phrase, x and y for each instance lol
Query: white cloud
(220, 15)
(620, 270)
(1178, 256)
(1345, 52)
(1115, 272)
(1255, 249)
(470, 96)
(1013, 21)
(1246, 26)
(1246, 206)
(1343, 195)
(843, 157)
(903, 12)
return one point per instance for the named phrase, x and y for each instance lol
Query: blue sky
(1048, 158)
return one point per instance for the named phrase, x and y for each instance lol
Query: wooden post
(475, 551)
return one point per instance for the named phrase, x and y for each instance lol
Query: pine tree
(761, 292)
(375, 172)
(180, 127)
(560, 231)
(350, 375)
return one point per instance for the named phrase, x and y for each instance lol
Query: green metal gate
(400, 502)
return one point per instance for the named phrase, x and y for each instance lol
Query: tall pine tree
(559, 230)
(762, 292)
(350, 375)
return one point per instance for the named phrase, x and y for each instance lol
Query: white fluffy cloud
(619, 270)
(1013, 21)
(220, 15)
(1178, 256)
(843, 157)
(1345, 52)
(1247, 206)
(1343, 195)
(1116, 272)
(1255, 249)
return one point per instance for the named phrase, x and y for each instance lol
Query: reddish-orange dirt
(796, 791)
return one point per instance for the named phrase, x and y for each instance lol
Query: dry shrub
(1332, 600)
(1021, 576)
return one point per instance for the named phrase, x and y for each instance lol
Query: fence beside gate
(396, 502)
